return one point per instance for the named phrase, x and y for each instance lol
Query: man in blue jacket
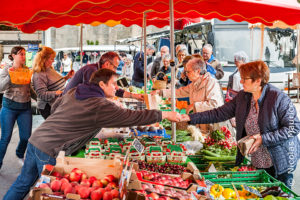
(138, 66)
(109, 60)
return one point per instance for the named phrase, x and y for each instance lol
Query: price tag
(138, 145)
(209, 183)
(252, 190)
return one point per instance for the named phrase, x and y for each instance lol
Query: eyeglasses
(244, 79)
(115, 67)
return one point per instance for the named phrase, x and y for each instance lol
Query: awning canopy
(32, 15)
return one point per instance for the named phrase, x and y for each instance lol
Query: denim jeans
(287, 178)
(8, 117)
(32, 168)
(137, 84)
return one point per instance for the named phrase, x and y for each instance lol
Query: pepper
(216, 190)
(228, 193)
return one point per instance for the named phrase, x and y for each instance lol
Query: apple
(55, 185)
(84, 176)
(77, 170)
(75, 177)
(153, 195)
(84, 192)
(56, 174)
(104, 182)
(92, 179)
(64, 185)
(107, 196)
(64, 180)
(68, 189)
(49, 167)
(115, 193)
(44, 185)
(74, 184)
(97, 195)
(85, 182)
(111, 178)
(97, 183)
(67, 176)
(112, 185)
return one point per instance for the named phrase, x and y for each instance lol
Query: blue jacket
(83, 75)
(138, 67)
(277, 120)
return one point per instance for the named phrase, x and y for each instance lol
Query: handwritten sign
(252, 190)
(138, 145)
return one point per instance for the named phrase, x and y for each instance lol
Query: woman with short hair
(268, 116)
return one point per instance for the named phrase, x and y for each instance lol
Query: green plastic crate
(225, 178)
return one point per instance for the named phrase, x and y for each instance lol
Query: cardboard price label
(138, 145)
(252, 190)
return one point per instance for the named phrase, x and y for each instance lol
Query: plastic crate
(225, 178)
(280, 184)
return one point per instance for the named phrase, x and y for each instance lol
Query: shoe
(21, 161)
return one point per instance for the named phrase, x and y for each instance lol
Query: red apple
(55, 185)
(49, 167)
(115, 193)
(75, 177)
(77, 170)
(74, 184)
(97, 183)
(112, 185)
(56, 174)
(85, 182)
(64, 180)
(111, 178)
(64, 185)
(84, 176)
(107, 196)
(67, 176)
(92, 179)
(84, 192)
(153, 195)
(68, 189)
(104, 182)
(97, 195)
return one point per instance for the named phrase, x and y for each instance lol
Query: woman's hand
(165, 78)
(185, 118)
(70, 74)
(139, 97)
(257, 143)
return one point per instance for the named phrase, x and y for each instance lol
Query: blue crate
(160, 132)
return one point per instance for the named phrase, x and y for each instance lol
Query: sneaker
(21, 161)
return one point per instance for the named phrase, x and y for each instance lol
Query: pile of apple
(158, 192)
(165, 179)
(77, 182)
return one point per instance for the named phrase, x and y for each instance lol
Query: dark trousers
(46, 111)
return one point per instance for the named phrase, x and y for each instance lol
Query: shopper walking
(16, 105)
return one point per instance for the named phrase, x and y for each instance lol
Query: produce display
(77, 182)
(165, 179)
(160, 192)
(166, 168)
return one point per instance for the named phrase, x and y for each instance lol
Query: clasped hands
(175, 116)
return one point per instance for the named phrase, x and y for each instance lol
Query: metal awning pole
(145, 53)
(173, 103)
(81, 49)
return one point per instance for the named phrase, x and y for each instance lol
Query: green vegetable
(209, 153)
(223, 158)
(270, 197)
(217, 135)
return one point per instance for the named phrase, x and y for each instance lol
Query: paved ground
(11, 167)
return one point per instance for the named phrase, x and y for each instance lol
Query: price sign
(252, 190)
(209, 184)
(138, 145)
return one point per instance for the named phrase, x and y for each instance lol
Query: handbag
(245, 144)
(159, 84)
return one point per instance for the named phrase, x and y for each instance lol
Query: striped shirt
(46, 84)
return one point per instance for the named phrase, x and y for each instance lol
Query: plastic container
(20, 76)
(225, 178)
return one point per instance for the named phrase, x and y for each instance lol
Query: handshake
(175, 116)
